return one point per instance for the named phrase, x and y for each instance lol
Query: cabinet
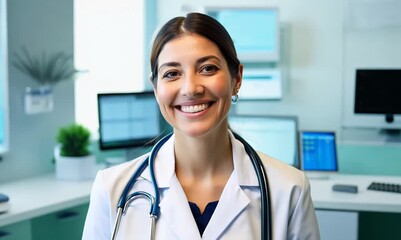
(17, 231)
(62, 225)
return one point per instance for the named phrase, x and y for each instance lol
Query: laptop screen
(318, 151)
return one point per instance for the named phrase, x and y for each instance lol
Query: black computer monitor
(378, 91)
(276, 136)
(128, 120)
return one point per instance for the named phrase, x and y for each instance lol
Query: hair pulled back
(197, 24)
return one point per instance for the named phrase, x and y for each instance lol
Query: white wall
(371, 40)
(39, 25)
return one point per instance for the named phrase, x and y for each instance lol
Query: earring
(234, 99)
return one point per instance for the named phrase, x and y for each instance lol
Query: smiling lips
(194, 108)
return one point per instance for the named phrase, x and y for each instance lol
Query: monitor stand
(318, 175)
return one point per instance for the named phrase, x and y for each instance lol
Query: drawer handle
(66, 215)
(4, 234)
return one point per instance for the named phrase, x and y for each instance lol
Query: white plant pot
(74, 168)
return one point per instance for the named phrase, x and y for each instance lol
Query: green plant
(46, 70)
(74, 140)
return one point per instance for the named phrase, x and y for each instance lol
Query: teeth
(194, 109)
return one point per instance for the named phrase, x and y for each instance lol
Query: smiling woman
(3, 79)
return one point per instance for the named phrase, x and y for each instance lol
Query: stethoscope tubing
(266, 223)
(266, 232)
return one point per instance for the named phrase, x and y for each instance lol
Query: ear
(238, 79)
(155, 93)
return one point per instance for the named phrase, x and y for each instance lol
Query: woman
(207, 183)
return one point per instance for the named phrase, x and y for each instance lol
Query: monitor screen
(255, 31)
(128, 119)
(377, 91)
(318, 151)
(275, 136)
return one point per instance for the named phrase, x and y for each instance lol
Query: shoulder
(291, 200)
(113, 179)
(282, 174)
(120, 173)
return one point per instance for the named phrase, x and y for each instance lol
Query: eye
(171, 75)
(209, 69)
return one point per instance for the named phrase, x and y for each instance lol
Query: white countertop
(365, 200)
(38, 196)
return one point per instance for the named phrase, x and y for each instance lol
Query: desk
(339, 213)
(38, 196)
(365, 200)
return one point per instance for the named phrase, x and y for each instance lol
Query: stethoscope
(127, 198)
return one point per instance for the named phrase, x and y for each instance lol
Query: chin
(194, 131)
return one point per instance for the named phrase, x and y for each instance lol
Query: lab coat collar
(242, 164)
(184, 225)
(165, 164)
(227, 209)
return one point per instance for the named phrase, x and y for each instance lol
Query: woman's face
(194, 85)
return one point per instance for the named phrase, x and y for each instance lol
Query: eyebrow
(198, 61)
(169, 64)
(205, 58)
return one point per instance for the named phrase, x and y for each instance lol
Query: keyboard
(385, 187)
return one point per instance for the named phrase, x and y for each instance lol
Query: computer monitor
(378, 91)
(275, 136)
(255, 31)
(318, 151)
(128, 120)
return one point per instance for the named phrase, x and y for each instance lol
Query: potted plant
(74, 160)
(45, 69)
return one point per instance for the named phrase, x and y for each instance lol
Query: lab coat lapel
(233, 199)
(175, 210)
(232, 202)
(164, 165)
(174, 206)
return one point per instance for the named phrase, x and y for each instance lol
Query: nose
(191, 85)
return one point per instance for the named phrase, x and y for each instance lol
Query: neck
(204, 156)
(203, 166)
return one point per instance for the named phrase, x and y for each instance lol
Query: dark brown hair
(199, 24)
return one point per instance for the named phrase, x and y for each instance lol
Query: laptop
(318, 153)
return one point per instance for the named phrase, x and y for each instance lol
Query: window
(3, 79)
(109, 41)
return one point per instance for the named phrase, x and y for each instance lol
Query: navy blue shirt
(203, 219)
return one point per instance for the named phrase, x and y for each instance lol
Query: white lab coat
(237, 215)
